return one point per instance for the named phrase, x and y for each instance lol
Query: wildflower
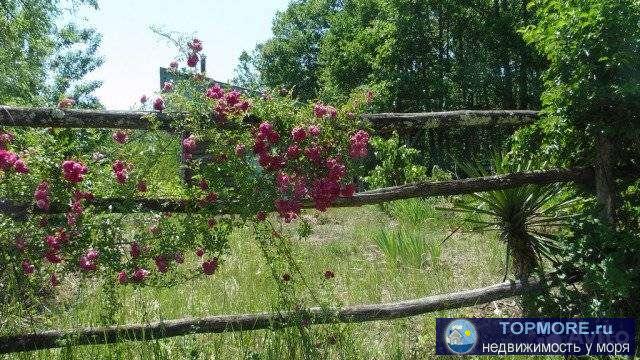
(92, 254)
(21, 244)
(210, 198)
(203, 184)
(120, 171)
(5, 139)
(288, 209)
(348, 190)
(53, 256)
(286, 277)
(7, 159)
(319, 110)
(328, 274)
(20, 167)
(314, 130)
(143, 99)
(314, 154)
(261, 215)
(87, 264)
(199, 252)
(173, 65)
(189, 144)
(293, 152)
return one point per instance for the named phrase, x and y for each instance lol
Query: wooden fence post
(605, 184)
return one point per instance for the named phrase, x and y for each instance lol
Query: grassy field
(377, 255)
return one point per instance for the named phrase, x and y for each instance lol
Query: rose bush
(247, 154)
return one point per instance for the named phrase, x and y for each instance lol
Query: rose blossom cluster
(195, 46)
(189, 146)
(227, 103)
(358, 144)
(120, 137)
(120, 171)
(74, 171)
(53, 244)
(324, 111)
(10, 161)
(75, 207)
(321, 177)
(5, 139)
(41, 195)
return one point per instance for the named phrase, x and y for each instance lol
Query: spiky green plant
(527, 217)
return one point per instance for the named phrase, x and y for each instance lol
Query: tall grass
(404, 246)
(244, 285)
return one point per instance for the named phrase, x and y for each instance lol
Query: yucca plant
(527, 217)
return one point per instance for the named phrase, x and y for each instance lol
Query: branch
(423, 189)
(74, 118)
(245, 322)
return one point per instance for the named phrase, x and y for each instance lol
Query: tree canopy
(418, 55)
(45, 54)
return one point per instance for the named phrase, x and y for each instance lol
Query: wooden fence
(601, 174)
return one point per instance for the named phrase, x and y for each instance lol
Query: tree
(421, 55)
(289, 59)
(41, 61)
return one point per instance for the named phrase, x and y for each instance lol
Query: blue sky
(133, 53)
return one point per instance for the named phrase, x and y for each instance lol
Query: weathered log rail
(247, 322)
(76, 118)
(423, 189)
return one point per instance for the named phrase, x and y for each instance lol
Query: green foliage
(592, 83)
(42, 59)
(592, 87)
(396, 164)
(426, 55)
(290, 58)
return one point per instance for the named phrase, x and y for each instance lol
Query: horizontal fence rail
(76, 118)
(387, 122)
(422, 189)
(246, 322)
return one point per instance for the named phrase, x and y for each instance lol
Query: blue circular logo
(461, 336)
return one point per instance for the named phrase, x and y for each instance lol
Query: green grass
(344, 240)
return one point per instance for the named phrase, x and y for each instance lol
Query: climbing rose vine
(244, 155)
